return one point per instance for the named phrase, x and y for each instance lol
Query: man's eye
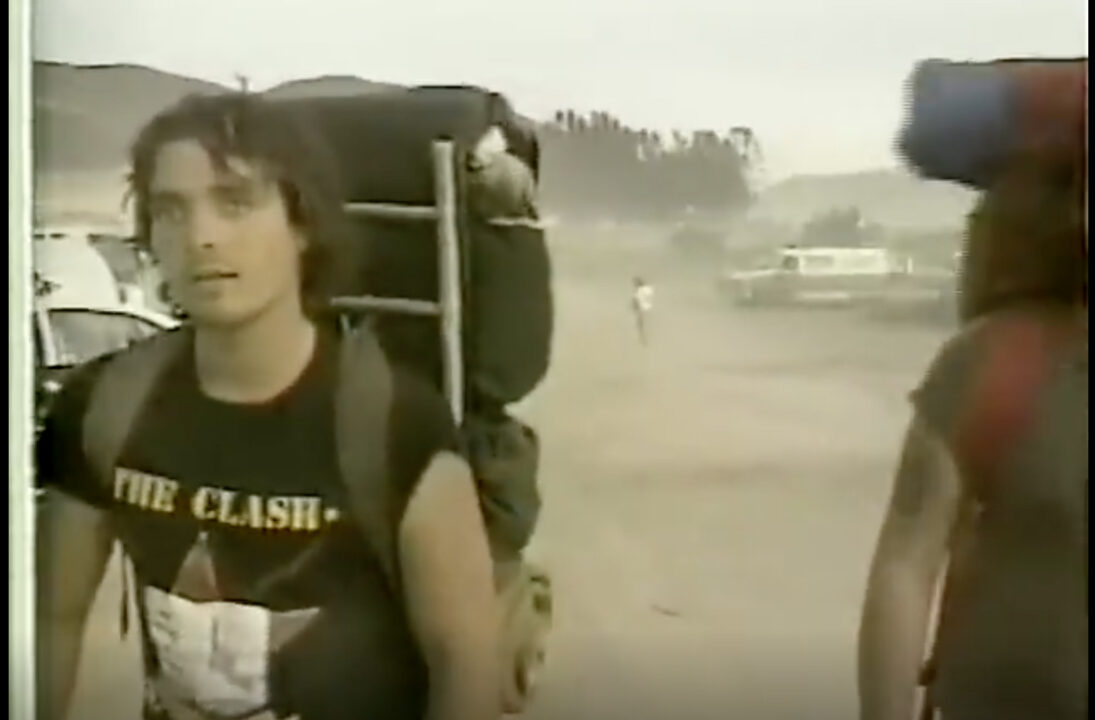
(234, 201)
(165, 211)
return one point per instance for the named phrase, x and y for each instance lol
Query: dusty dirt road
(710, 505)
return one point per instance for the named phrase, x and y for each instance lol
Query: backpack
(1017, 363)
(362, 403)
(380, 145)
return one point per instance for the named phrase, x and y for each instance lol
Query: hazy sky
(819, 80)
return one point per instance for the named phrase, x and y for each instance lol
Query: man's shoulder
(1027, 331)
(955, 369)
(139, 363)
(999, 333)
(1001, 355)
(73, 393)
(157, 348)
(412, 397)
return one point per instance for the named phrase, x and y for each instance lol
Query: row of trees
(596, 166)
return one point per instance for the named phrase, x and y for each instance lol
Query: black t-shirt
(243, 504)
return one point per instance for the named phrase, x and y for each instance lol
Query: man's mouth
(213, 276)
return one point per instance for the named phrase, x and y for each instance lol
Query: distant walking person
(642, 302)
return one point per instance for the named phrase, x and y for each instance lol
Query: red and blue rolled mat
(966, 121)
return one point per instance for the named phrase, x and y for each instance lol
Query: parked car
(924, 293)
(67, 336)
(814, 275)
(69, 270)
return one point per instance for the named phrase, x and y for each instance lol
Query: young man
(259, 596)
(642, 303)
(993, 479)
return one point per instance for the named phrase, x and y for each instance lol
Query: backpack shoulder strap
(118, 395)
(363, 401)
(1016, 360)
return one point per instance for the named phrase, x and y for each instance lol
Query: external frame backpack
(362, 407)
(380, 147)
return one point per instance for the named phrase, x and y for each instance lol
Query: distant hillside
(74, 139)
(110, 88)
(327, 86)
(891, 197)
(86, 117)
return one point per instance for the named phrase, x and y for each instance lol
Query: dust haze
(710, 500)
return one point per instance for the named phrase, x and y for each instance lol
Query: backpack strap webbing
(363, 401)
(1017, 361)
(119, 393)
(117, 397)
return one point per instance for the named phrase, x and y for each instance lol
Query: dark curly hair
(268, 136)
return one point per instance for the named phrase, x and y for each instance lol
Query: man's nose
(204, 230)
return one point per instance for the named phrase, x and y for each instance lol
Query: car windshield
(818, 262)
(82, 335)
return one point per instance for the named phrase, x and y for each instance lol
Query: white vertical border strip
(20, 379)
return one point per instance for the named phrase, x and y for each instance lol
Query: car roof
(834, 250)
(164, 321)
(59, 232)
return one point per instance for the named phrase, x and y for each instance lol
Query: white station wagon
(815, 275)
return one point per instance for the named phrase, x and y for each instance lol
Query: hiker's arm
(909, 556)
(449, 589)
(74, 542)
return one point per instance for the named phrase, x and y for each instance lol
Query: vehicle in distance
(814, 276)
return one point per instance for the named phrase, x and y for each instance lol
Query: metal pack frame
(449, 306)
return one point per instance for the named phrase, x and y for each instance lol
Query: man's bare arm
(911, 552)
(74, 543)
(449, 588)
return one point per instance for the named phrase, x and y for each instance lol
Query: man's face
(222, 237)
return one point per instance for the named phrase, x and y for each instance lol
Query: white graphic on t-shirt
(213, 654)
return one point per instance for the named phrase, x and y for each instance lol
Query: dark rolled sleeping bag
(382, 140)
(507, 299)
